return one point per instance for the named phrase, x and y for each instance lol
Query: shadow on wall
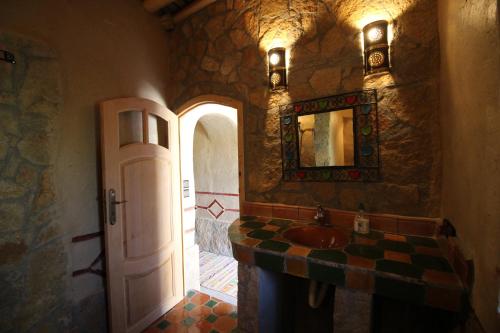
(222, 50)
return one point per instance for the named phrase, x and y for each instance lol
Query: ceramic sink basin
(317, 237)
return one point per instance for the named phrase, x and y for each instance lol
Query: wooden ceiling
(172, 12)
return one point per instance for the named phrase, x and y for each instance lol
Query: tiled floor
(197, 313)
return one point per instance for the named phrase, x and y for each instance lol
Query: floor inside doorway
(219, 276)
(197, 313)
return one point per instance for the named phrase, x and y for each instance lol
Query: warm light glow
(274, 59)
(375, 34)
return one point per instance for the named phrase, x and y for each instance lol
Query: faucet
(320, 215)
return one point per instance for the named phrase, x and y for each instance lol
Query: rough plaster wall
(106, 49)
(215, 161)
(470, 104)
(222, 50)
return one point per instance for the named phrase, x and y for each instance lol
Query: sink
(317, 237)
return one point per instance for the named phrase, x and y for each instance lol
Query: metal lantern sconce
(277, 68)
(376, 46)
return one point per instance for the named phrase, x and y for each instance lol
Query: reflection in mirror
(326, 139)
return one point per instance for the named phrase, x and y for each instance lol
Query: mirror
(326, 139)
(333, 138)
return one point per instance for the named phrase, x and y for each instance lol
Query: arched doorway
(211, 142)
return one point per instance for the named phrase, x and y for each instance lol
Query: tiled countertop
(409, 268)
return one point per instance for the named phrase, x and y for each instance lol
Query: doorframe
(224, 101)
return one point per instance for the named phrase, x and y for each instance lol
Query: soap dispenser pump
(361, 221)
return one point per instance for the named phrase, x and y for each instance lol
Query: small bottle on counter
(361, 221)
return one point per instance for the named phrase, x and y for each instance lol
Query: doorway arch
(190, 114)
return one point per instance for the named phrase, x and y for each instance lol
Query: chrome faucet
(320, 215)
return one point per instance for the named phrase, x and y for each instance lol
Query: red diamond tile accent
(216, 209)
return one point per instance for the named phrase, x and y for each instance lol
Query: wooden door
(143, 232)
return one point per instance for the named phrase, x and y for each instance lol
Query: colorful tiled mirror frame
(366, 145)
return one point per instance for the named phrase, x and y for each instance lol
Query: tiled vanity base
(409, 268)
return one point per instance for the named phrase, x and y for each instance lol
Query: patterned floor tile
(197, 313)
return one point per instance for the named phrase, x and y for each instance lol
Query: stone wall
(222, 50)
(470, 110)
(33, 258)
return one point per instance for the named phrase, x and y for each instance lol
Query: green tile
(211, 303)
(247, 218)
(253, 225)
(211, 318)
(261, 234)
(391, 245)
(422, 241)
(400, 268)
(189, 306)
(281, 222)
(329, 255)
(191, 293)
(274, 245)
(431, 262)
(270, 262)
(234, 315)
(328, 274)
(163, 324)
(365, 251)
(236, 237)
(188, 321)
(213, 331)
(404, 291)
(371, 235)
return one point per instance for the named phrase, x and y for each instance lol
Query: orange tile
(200, 312)
(244, 230)
(225, 324)
(200, 299)
(364, 240)
(223, 309)
(432, 251)
(250, 241)
(298, 251)
(342, 219)
(286, 212)
(258, 209)
(442, 278)
(447, 299)
(175, 328)
(306, 213)
(204, 326)
(394, 237)
(360, 262)
(271, 227)
(193, 329)
(359, 280)
(176, 315)
(243, 254)
(296, 267)
(397, 256)
(264, 219)
(384, 223)
(416, 227)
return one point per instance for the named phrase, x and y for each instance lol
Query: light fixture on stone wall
(376, 47)
(277, 68)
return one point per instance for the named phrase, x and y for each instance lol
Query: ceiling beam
(191, 9)
(153, 6)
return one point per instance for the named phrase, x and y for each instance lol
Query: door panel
(140, 161)
(147, 223)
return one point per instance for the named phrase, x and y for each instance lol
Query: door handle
(112, 206)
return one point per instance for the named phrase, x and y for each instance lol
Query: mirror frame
(366, 143)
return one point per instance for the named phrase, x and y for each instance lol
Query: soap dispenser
(361, 221)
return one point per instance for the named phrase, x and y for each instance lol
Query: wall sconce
(277, 68)
(376, 46)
